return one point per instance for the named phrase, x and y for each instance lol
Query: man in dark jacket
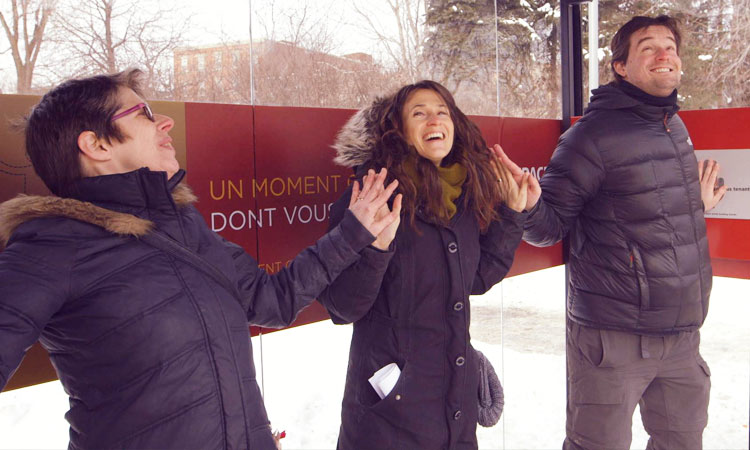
(143, 309)
(625, 185)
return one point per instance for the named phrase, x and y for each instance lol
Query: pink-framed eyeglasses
(144, 106)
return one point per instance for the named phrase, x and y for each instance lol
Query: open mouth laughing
(435, 136)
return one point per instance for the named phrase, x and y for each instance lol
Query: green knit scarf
(451, 180)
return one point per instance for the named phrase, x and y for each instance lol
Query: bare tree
(402, 38)
(294, 57)
(89, 27)
(297, 64)
(294, 64)
(105, 36)
(26, 33)
(461, 52)
(729, 57)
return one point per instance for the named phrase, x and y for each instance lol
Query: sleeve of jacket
(498, 247)
(353, 293)
(31, 291)
(275, 300)
(573, 176)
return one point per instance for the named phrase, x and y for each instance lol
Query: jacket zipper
(690, 203)
(636, 265)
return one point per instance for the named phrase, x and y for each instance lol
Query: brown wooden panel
(34, 369)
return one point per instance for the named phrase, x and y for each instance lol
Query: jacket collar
(131, 192)
(611, 97)
(101, 201)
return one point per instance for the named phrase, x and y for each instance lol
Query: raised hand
(534, 191)
(708, 173)
(386, 236)
(514, 193)
(366, 203)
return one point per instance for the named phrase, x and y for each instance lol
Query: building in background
(285, 74)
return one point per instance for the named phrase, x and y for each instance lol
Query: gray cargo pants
(609, 372)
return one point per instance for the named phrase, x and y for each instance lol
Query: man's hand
(367, 205)
(524, 180)
(708, 174)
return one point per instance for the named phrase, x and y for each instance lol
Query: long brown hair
(481, 192)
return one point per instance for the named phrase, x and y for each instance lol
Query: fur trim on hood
(23, 208)
(183, 195)
(357, 138)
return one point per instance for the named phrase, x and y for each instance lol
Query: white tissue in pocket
(385, 379)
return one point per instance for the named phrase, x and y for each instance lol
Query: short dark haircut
(621, 41)
(54, 124)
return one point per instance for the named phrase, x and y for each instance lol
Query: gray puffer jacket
(623, 182)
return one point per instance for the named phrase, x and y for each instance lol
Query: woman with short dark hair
(144, 310)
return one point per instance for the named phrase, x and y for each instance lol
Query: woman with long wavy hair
(409, 301)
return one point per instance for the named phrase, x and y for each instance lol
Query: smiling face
(147, 143)
(427, 125)
(653, 64)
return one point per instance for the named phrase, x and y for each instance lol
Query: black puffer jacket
(153, 352)
(624, 182)
(416, 315)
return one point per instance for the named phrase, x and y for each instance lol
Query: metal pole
(593, 46)
(497, 63)
(571, 60)
(252, 73)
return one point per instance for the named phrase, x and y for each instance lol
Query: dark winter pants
(609, 372)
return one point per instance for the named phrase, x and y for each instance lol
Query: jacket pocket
(394, 397)
(636, 265)
(591, 382)
(588, 343)
(598, 388)
(368, 398)
(377, 423)
(703, 365)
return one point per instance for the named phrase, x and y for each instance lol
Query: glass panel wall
(302, 377)
(520, 326)
(497, 57)
(24, 412)
(715, 61)
(725, 345)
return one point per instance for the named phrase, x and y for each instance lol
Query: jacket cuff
(511, 215)
(354, 233)
(373, 253)
(535, 208)
(535, 214)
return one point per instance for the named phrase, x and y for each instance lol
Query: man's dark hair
(54, 124)
(621, 41)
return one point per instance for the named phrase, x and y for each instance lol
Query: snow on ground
(519, 325)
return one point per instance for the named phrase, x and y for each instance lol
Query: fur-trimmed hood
(24, 208)
(357, 138)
